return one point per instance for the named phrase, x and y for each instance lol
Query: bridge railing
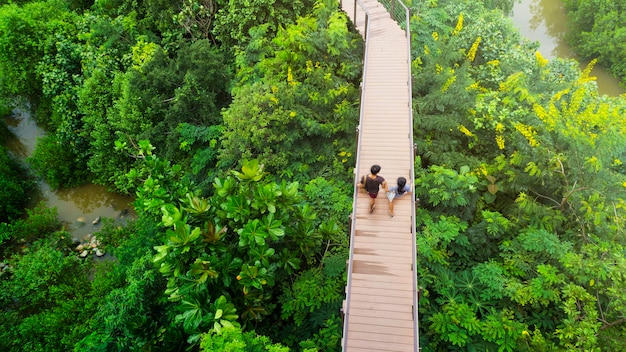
(399, 13)
(346, 314)
(359, 10)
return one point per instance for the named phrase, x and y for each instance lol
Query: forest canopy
(597, 32)
(232, 124)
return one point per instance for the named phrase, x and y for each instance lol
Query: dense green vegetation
(521, 182)
(233, 124)
(14, 187)
(166, 111)
(598, 32)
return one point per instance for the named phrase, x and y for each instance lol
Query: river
(545, 21)
(87, 201)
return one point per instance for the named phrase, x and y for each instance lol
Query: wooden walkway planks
(378, 313)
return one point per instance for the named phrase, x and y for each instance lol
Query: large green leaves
(230, 242)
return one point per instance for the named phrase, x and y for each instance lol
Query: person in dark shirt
(371, 184)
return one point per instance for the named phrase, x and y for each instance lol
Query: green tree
(149, 101)
(235, 18)
(225, 256)
(294, 107)
(15, 187)
(43, 298)
(598, 29)
(519, 184)
(24, 31)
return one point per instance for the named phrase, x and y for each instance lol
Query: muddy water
(85, 203)
(545, 21)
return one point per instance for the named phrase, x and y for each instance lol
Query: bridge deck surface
(380, 310)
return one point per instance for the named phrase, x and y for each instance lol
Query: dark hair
(375, 169)
(401, 184)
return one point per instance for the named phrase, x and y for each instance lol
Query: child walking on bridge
(371, 184)
(396, 192)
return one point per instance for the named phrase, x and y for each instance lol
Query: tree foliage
(294, 106)
(521, 178)
(15, 187)
(598, 31)
(225, 256)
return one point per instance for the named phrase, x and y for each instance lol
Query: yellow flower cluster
(459, 25)
(448, 84)
(426, 50)
(471, 54)
(587, 71)
(544, 116)
(528, 133)
(345, 155)
(499, 137)
(290, 79)
(473, 86)
(493, 62)
(465, 131)
(435, 36)
(576, 100)
(541, 61)
(438, 68)
(512, 82)
(500, 142)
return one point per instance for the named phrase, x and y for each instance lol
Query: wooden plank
(383, 285)
(370, 239)
(372, 242)
(379, 266)
(382, 321)
(368, 308)
(386, 330)
(384, 278)
(376, 257)
(384, 247)
(355, 343)
(385, 294)
(404, 277)
(379, 238)
(377, 337)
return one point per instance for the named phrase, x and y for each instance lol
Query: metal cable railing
(356, 170)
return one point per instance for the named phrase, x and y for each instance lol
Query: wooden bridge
(380, 310)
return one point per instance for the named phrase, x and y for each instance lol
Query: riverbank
(86, 202)
(545, 21)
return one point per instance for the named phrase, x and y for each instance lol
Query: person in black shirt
(371, 184)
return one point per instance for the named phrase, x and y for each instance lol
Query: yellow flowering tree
(522, 192)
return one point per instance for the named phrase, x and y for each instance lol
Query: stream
(86, 202)
(545, 21)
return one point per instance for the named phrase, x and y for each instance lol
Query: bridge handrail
(356, 176)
